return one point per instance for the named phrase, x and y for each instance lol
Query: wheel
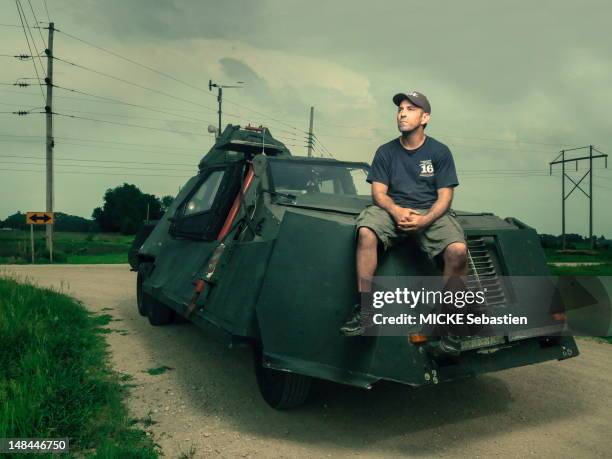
(280, 389)
(159, 313)
(140, 300)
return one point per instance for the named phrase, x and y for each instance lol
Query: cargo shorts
(432, 240)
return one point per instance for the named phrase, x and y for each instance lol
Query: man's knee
(455, 255)
(367, 237)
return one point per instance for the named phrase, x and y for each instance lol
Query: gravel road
(208, 403)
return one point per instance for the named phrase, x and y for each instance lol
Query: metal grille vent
(482, 273)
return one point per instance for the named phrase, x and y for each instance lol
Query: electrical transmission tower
(589, 172)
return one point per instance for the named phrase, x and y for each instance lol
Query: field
(55, 378)
(74, 248)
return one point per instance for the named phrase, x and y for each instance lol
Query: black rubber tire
(179, 319)
(280, 389)
(141, 300)
(159, 314)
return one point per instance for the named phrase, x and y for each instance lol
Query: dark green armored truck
(258, 248)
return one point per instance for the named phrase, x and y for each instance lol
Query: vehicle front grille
(482, 273)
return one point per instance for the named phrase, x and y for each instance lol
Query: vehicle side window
(203, 199)
(202, 213)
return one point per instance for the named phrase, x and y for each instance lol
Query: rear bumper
(421, 369)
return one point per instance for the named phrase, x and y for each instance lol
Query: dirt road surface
(208, 402)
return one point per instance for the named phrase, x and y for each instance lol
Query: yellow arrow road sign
(40, 218)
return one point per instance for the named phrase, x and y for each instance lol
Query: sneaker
(353, 325)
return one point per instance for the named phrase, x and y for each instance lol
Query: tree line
(124, 209)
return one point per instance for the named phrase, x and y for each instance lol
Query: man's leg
(373, 225)
(455, 260)
(445, 238)
(367, 258)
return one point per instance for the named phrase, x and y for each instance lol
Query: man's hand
(402, 214)
(414, 223)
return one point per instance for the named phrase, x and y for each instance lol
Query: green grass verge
(55, 378)
(76, 248)
(601, 256)
(599, 270)
(107, 258)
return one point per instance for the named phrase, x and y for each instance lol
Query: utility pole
(589, 195)
(50, 143)
(220, 96)
(310, 139)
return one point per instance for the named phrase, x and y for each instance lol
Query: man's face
(410, 117)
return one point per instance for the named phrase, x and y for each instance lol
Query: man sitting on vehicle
(413, 178)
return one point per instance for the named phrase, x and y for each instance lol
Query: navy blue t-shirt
(414, 176)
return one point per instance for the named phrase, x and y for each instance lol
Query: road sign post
(40, 218)
(32, 240)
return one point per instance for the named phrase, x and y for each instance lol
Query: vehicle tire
(142, 300)
(159, 313)
(280, 389)
(179, 319)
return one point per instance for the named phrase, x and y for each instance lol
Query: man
(413, 178)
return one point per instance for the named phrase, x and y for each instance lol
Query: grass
(158, 370)
(55, 378)
(602, 256)
(598, 270)
(106, 258)
(74, 248)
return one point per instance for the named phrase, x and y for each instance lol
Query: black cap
(416, 98)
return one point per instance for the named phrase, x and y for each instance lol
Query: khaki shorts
(432, 240)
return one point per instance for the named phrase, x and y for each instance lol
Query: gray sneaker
(353, 325)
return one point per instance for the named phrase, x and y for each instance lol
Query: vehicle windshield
(299, 178)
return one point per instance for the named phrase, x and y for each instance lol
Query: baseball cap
(415, 97)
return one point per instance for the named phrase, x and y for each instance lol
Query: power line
(163, 93)
(90, 166)
(130, 116)
(128, 124)
(125, 103)
(47, 10)
(164, 74)
(108, 100)
(98, 173)
(316, 138)
(36, 21)
(80, 139)
(101, 161)
(168, 152)
(34, 44)
(132, 61)
(266, 116)
(30, 48)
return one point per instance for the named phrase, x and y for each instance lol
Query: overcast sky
(511, 83)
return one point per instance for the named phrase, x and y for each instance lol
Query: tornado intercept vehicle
(258, 248)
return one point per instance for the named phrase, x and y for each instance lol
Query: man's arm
(384, 201)
(439, 208)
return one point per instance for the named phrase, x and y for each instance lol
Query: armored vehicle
(258, 248)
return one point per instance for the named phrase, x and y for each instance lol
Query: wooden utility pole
(310, 139)
(49, 146)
